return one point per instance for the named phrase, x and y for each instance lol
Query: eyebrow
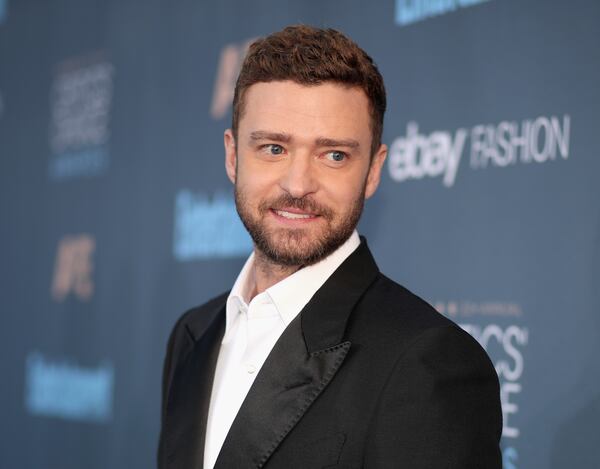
(259, 135)
(331, 142)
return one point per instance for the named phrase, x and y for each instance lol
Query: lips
(293, 215)
(295, 210)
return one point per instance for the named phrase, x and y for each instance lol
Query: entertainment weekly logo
(497, 326)
(3, 10)
(412, 11)
(62, 389)
(208, 227)
(441, 153)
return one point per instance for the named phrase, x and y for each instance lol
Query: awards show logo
(230, 63)
(496, 326)
(73, 268)
(440, 153)
(64, 390)
(80, 106)
(412, 11)
(207, 228)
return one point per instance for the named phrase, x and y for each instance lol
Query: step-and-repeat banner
(116, 214)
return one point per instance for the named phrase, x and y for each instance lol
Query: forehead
(324, 110)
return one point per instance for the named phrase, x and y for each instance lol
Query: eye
(336, 156)
(273, 149)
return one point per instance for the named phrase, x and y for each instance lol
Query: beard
(298, 246)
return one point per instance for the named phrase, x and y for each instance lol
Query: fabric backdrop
(116, 214)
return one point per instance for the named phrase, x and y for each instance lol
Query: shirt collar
(237, 301)
(292, 293)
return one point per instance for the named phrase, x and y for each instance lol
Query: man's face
(302, 168)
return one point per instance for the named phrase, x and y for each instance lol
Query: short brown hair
(311, 56)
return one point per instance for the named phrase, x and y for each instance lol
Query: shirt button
(250, 368)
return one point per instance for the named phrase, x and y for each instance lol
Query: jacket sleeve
(440, 407)
(175, 345)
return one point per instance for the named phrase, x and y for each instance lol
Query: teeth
(293, 216)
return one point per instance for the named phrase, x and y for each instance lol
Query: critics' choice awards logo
(412, 11)
(441, 153)
(208, 227)
(58, 388)
(80, 106)
(74, 267)
(230, 63)
(497, 327)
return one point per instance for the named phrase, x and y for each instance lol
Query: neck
(267, 273)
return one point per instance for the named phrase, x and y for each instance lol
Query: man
(315, 359)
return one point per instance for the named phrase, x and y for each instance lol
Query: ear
(374, 175)
(230, 155)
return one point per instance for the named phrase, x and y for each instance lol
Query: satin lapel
(189, 399)
(302, 363)
(325, 316)
(289, 381)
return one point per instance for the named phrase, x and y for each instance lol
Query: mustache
(306, 204)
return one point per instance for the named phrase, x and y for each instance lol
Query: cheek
(343, 200)
(342, 192)
(255, 186)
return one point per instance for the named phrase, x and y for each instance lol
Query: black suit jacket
(367, 376)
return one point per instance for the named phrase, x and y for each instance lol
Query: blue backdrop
(116, 214)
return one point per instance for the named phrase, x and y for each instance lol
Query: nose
(299, 178)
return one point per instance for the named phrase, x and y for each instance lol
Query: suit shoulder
(396, 305)
(189, 327)
(405, 326)
(397, 317)
(198, 317)
(208, 307)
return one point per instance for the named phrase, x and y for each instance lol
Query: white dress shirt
(251, 330)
